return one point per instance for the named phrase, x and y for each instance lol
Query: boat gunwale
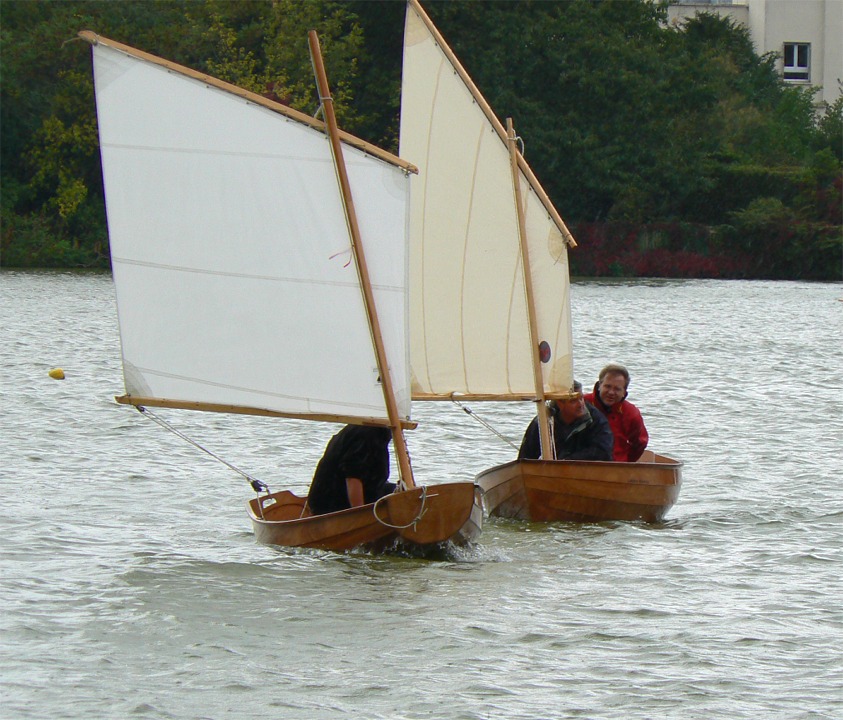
(669, 464)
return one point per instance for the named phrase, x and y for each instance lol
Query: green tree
(53, 206)
(625, 118)
(830, 128)
(583, 82)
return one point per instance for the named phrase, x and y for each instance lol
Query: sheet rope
(468, 411)
(257, 485)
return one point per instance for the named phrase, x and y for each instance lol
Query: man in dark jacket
(353, 471)
(579, 431)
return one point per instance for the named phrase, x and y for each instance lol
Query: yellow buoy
(57, 374)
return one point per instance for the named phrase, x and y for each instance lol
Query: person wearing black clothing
(579, 431)
(353, 471)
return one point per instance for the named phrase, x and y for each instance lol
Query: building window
(797, 61)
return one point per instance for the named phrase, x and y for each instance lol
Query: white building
(806, 35)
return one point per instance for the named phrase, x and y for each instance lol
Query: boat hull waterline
(421, 517)
(582, 491)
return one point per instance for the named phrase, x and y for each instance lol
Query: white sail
(230, 250)
(469, 322)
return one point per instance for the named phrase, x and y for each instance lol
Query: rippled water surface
(131, 584)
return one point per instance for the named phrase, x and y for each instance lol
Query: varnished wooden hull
(582, 491)
(433, 515)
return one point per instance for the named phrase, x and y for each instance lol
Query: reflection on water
(132, 585)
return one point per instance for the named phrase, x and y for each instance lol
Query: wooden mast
(327, 103)
(547, 449)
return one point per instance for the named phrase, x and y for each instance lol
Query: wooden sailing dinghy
(237, 228)
(582, 491)
(490, 309)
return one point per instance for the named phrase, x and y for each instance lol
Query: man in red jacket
(627, 425)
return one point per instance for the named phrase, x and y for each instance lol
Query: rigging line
(469, 411)
(257, 485)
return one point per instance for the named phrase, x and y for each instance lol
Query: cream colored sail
(468, 316)
(236, 288)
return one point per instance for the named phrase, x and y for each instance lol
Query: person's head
(572, 406)
(613, 384)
